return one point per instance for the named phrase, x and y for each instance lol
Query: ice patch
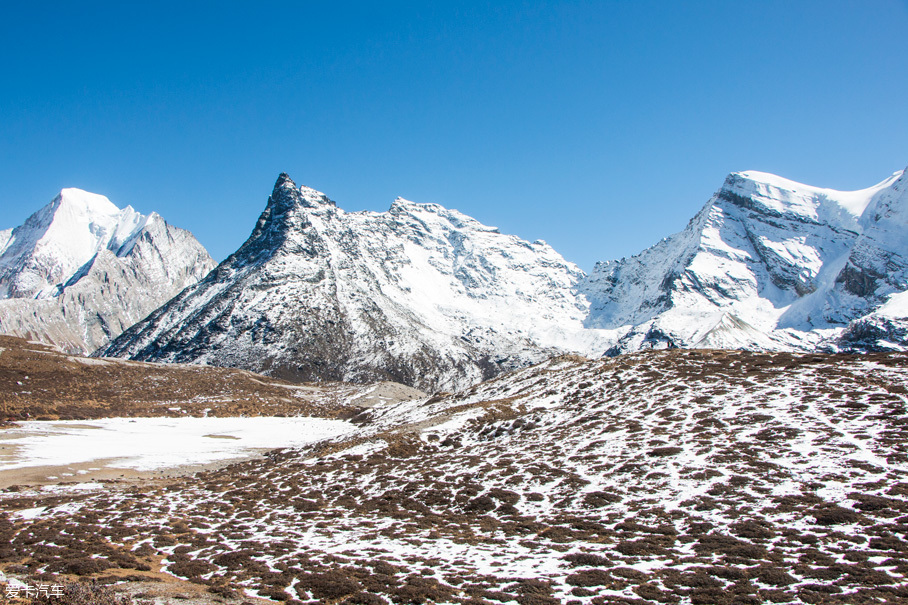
(153, 443)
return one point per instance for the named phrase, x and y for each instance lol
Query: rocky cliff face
(767, 264)
(80, 270)
(419, 294)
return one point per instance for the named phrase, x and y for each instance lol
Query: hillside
(38, 381)
(657, 477)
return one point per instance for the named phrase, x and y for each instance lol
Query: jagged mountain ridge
(432, 298)
(80, 270)
(767, 264)
(419, 294)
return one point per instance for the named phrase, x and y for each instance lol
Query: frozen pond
(147, 444)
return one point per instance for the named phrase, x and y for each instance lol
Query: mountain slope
(80, 270)
(38, 381)
(767, 264)
(419, 294)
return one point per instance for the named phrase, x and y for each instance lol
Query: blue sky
(600, 127)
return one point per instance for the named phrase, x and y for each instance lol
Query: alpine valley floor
(682, 476)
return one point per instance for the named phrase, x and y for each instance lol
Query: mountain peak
(60, 238)
(773, 193)
(287, 195)
(780, 195)
(82, 270)
(421, 294)
(283, 182)
(85, 203)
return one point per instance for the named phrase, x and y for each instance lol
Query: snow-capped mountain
(767, 264)
(432, 298)
(419, 294)
(81, 270)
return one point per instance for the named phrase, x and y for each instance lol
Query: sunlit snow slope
(81, 270)
(767, 264)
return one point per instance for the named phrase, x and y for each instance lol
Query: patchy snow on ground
(687, 477)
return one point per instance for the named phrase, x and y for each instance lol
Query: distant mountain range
(81, 270)
(432, 298)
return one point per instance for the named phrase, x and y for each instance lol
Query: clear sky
(598, 126)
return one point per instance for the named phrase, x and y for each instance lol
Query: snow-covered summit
(434, 213)
(55, 242)
(768, 263)
(82, 242)
(789, 197)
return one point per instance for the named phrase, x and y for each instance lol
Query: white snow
(80, 270)
(154, 443)
(5, 234)
(769, 252)
(896, 306)
(30, 513)
(59, 239)
(418, 278)
(759, 267)
(783, 195)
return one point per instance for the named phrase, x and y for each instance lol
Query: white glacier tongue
(81, 270)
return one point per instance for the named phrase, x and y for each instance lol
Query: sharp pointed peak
(284, 182)
(288, 194)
